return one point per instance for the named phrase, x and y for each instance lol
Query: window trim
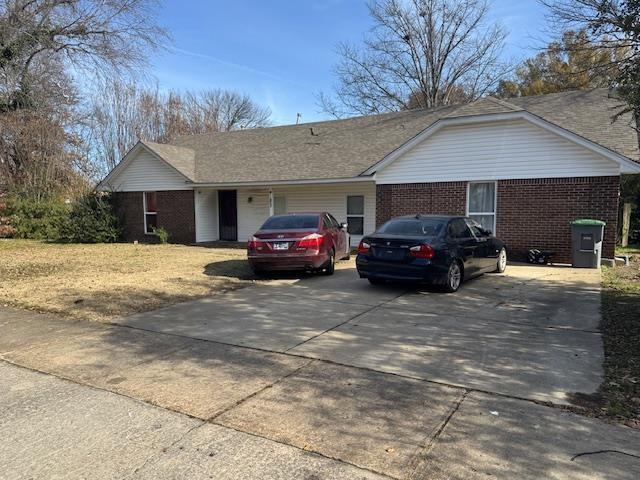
(362, 215)
(495, 202)
(145, 213)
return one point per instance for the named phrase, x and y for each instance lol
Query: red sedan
(299, 241)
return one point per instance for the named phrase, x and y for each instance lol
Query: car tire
(331, 263)
(454, 277)
(376, 281)
(501, 263)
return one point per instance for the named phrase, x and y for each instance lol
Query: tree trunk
(626, 222)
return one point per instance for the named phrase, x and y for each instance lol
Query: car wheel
(454, 277)
(331, 263)
(376, 281)
(501, 264)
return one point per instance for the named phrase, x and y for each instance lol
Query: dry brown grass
(100, 282)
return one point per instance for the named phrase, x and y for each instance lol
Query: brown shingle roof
(346, 148)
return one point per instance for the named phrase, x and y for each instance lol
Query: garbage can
(586, 242)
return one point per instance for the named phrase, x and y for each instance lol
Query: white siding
(145, 172)
(305, 198)
(492, 151)
(252, 214)
(206, 205)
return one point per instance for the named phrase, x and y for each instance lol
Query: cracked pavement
(324, 377)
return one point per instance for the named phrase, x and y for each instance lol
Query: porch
(234, 214)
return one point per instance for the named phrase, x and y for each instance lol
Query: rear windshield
(428, 227)
(291, 222)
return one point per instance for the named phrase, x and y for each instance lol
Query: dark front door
(228, 215)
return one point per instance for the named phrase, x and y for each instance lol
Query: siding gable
(146, 172)
(490, 151)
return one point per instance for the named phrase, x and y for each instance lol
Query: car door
(460, 234)
(343, 236)
(484, 249)
(331, 229)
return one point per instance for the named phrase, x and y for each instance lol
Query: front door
(228, 215)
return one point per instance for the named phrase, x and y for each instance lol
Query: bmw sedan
(442, 250)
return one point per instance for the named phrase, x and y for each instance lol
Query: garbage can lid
(588, 221)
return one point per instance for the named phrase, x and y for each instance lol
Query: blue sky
(281, 52)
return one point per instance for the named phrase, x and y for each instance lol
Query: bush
(90, 220)
(35, 219)
(162, 234)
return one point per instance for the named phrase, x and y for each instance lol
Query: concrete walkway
(318, 378)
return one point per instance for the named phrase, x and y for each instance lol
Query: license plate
(281, 246)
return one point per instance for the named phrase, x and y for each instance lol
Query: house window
(481, 204)
(150, 212)
(279, 205)
(355, 214)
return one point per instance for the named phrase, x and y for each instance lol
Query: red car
(299, 241)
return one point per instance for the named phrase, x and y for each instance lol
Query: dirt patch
(103, 281)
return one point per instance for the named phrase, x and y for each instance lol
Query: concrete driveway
(324, 377)
(530, 333)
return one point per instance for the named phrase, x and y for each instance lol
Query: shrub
(35, 219)
(90, 220)
(162, 234)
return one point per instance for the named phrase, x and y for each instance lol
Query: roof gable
(626, 165)
(143, 169)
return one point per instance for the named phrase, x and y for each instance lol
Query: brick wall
(176, 213)
(530, 213)
(536, 213)
(447, 198)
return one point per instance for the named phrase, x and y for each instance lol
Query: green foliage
(35, 219)
(162, 234)
(575, 63)
(90, 220)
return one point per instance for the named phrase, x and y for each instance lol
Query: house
(524, 168)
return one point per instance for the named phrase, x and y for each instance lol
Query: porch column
(270, 202)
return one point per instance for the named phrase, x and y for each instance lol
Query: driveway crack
(424, 450)
(347, 320)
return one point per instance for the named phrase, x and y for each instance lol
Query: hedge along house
(523, 168)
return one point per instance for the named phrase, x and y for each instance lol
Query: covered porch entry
(234, 214)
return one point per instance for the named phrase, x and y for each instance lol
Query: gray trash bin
(586, 242)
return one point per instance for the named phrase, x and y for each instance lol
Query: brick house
(524, 168)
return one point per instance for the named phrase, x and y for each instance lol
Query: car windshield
(291, 222)
(428, 227)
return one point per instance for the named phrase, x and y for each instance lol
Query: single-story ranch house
(524, 168)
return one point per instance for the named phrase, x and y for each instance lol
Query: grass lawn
(103, 281)
(621, 336)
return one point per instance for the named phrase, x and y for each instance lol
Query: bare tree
(47, 48)
(420, 54)
(122, 113)
(613, 25)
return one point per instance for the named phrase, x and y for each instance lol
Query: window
(458, 228)
(481, 204)
(150, 212)
(334, 221)
(355, 214)
(291, 222)
(279, 205)
(431, 227)
(476, 228)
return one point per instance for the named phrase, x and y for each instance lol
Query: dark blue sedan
(442, 250)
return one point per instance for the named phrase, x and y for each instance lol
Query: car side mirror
(487, 232)
(344, 225)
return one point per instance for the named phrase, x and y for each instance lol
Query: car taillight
(255, 244)
(422, 251)
(363, 247)
(311, 242)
